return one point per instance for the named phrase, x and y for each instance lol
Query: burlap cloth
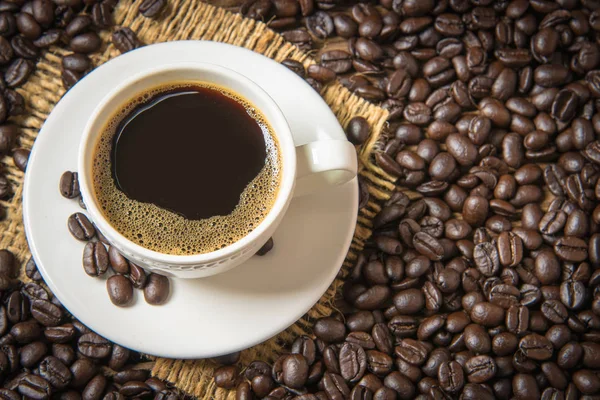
(191, 19)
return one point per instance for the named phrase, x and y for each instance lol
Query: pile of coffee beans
(45, 353)
(82, 37)
(28, 29)
(482, 278)
(97, 260)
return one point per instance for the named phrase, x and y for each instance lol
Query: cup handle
(322, 164)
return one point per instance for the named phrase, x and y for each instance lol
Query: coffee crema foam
(166, 232)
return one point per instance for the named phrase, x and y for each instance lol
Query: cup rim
(282, 133)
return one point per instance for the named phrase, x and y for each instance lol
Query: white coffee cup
(306, 169)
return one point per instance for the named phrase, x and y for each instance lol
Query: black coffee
(187, 169)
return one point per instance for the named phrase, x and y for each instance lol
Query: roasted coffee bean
(22, 47)
(76, 62)
(372, 298)
(95, 388)
(510, 249)
(80, 227)
(353, 362)
(570, 248)
(28, 26)
(486, 258)
(7, 264)
(32, 353)
(118, 263)
(20, 158)
(305, 346)
(428, 246)
(94, 346)
(358, 130)
(18, 72)
(398, 382)
(88, 42)
(131, 374)
(329, 330)
(152, 8)
(95, 259)
(140, 389)
(554, 311)
(335, 386)
(517, 319)
(60, 334)
(157, 290)
(34, 387)
(26, 332)
(451, 376)
(480, 369)
(525, 385)
(225, 377)
(120, 290)
(46, 313)
(572, 294)
(55, 372)
(124, 38)
(536, 347)
(412, 351)
(477, 339)
(137, 276)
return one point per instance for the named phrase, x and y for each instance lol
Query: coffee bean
(428, 246)
(157, 289)
(80, 227)
(358, 130)
(335, 386)
(26, 332)
(152, 8)
(32, 353)
(510, 249)
(76, 62)
(18, 72)
(139, 389)
(60, 334)
(82, 370)
(95, 259)
(321, 74)
(570, 248)
(94, 346)
(118, 263)
(28, 26)
(125, 39)
(88, 42)
(21, 157)
(34, 387)
(120, 290)
(412, 351)
(95, 388)
(7, 264)
(131, 374)
(536, 347)
(46, 313)
(572, 294)
(451, 376)
(525, 385)
(55, 372)
(336, 60)
(554, 311)
(480, 369)
(353, 362)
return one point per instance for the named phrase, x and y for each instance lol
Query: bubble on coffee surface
(164, 231)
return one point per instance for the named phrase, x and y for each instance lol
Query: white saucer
(203, 317)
